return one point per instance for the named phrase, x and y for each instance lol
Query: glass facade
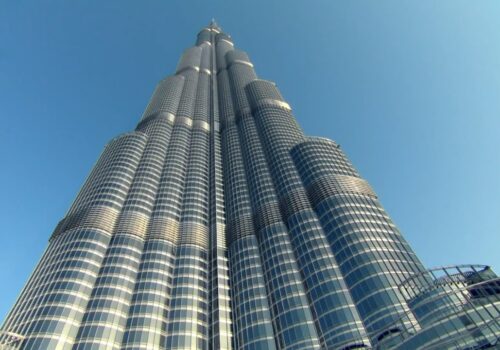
(217, 224)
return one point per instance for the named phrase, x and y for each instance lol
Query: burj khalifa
(218, 224)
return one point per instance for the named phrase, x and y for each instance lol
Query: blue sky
(410, 89)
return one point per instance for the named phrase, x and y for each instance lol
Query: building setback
(217, 224)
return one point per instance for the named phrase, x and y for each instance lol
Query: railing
(457, 307)
(10, 340)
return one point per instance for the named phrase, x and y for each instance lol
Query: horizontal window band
(97, 217)
(226, 41)
(269, 102)
(330, 185)
(206, 71)
(184, 120)
(201, 124)
(246, 63)
(156, 115)
(186, 68)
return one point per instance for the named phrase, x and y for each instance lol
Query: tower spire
(213, 24)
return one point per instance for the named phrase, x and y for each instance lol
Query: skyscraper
(217, 224)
